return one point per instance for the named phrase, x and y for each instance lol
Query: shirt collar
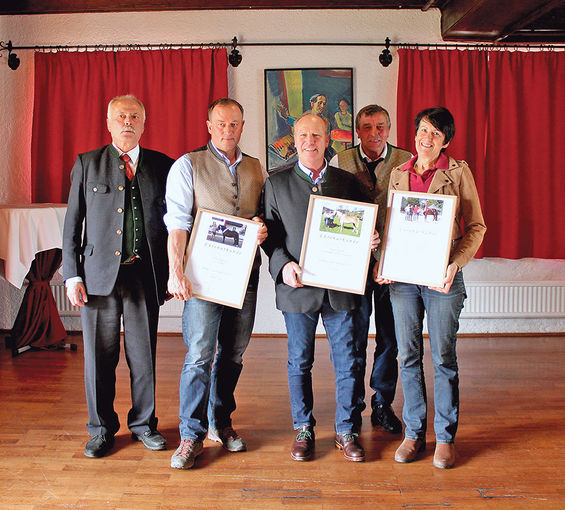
(220, 154)
(309, 172)
(442, 162)
(133, 154)
(367, 158)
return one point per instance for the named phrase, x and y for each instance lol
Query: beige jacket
(456, 180)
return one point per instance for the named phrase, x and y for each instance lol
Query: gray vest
(217, 189)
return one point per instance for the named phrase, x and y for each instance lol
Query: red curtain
(38, 323)
(505, 106)
(527, 99)
(72, 90)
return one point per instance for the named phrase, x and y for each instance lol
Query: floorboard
(510, 444)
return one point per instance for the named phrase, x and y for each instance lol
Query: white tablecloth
(26, 230)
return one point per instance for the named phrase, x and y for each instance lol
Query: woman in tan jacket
(432, 171)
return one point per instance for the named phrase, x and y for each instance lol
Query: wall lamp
(385, 58)
(234, 57)
(13, 60)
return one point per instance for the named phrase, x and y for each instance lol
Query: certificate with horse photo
(220, 257)
(417, 238)
(336, 248)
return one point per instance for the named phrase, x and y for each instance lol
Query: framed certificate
(336, 248)
(220, 257)
(417, 237)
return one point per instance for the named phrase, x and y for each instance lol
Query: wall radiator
(484, 300)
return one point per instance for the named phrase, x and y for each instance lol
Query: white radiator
(63, 305)
(514, 299)
(484, 300)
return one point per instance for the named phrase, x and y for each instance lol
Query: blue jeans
(339, 326)
(211, 330)
(409, 303)
(384, 374)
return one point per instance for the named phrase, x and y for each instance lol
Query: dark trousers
(133, 298)
(384, 374)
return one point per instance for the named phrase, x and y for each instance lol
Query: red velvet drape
(38, 324)
(72, 90)
(505, 106)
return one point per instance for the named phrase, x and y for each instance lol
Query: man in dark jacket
(115, 266)
(286, 197)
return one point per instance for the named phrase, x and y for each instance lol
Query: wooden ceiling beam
(489, 20)
(75, 6)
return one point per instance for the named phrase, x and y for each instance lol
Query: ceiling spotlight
(385, 58)
(234, 57)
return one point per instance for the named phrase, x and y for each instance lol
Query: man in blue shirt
(221, 178)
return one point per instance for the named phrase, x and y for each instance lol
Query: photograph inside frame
(220, 256)
(417, 237)
(336, 245)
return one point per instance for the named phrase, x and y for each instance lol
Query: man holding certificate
(286, 197)
(221, 178)
(371, 162)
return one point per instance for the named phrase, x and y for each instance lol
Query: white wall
(372, 83)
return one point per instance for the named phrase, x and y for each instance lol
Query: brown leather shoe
(352, 449)
(303, 446)
(409, 450)
(444, 456)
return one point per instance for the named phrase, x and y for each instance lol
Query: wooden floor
(511, 440)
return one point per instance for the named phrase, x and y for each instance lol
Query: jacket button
(118, 231)
(95, 189)
(120, 210)
(120, 188)
(314, 188)
(117, 253)
(122, 167)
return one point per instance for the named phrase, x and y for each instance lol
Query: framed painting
(289, 93)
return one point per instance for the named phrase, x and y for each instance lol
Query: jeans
(211, 330)
(339, 326)
(409, 302)
(384, 374)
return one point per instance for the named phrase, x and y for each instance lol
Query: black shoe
(98, 446)
(383, 416)
(151, 439)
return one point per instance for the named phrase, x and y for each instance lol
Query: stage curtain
(71, 94)
(505, 106)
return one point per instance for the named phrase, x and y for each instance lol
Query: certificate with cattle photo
(336, 248)
(417, 237)
(220, 257)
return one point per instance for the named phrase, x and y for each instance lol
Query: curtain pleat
(506, 107)
(71, 94)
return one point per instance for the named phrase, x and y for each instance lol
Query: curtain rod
(235, 57)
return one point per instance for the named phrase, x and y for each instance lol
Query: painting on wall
(289, 93)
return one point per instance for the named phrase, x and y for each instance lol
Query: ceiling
(508, 21)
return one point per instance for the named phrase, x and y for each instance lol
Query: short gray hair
(126, 97)
(370, 110)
